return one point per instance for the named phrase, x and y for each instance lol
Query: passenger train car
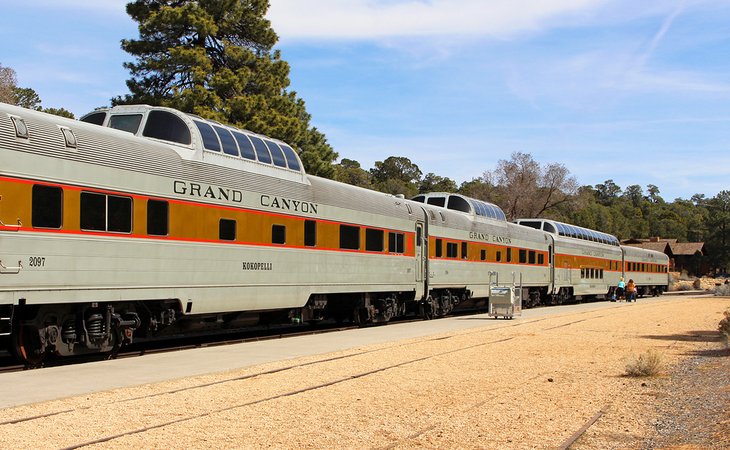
(139, 221)
(591, 263)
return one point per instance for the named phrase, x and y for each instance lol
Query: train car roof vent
(21, 129)
(69, 137)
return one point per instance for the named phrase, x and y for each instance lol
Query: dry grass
(645, 364)
(724, 326)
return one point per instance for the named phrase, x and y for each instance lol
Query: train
(137, 222)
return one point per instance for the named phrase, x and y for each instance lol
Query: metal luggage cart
(505, 301)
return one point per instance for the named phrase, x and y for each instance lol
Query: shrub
(723, 290)
(725, 325)
(644, 365)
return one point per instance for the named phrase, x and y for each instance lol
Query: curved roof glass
(458, 202)
(576, 232)
(174, 126)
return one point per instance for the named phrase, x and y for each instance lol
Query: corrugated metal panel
(343, 195)
(115, 149)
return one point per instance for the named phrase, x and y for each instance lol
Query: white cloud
(367, 19)
(104, 6)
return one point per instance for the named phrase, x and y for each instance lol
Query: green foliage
(478, 188)
(434, 183)
(349, 171)
(607, 192)
(215, 58)
(27, 98)
(718, 226)
(59, 112)
(396, 175)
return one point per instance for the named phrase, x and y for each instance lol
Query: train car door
(421, 259)
(551, 264)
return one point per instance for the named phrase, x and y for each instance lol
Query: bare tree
(527, 189)
(8, 82)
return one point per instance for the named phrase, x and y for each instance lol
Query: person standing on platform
(620, 289)
(631, 291)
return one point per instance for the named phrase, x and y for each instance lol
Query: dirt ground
(528, 383)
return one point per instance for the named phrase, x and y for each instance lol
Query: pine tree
(215, 58)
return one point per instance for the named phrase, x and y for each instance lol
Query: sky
(637, 92)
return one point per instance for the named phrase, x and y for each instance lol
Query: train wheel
(26, 345)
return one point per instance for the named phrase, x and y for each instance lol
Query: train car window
(549, 227)
(374, 240)
(166, 126)
(310, 233)
(227, 230)
(523, 256)
(499, 256)
(531, 257)
(119, 214)
(276, 154)
(291, 157)
(262, 152)
(125, 122)
(541, 259)
(419, 198)
(396, 242)
(96, 118)
(550, 254)
(100, 212)
(210, 139)
(483, 255)
(452, 250)
(582, 272)
(458, 204)
(157, 217)
(600, 273)
(531, 224)
(47, 206)
(278, 234)
(464, 249)
(437, 201)
(509, 255)
(93, 211)
(245, 145)
(439, 248)
(349, 237)
(226, 138)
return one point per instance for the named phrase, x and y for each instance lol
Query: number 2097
(37, 261)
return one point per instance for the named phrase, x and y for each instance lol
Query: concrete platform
(39, 385)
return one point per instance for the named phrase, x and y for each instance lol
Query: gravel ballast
(530, 383)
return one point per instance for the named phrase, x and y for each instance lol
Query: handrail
(6, 227)
(10, 270)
